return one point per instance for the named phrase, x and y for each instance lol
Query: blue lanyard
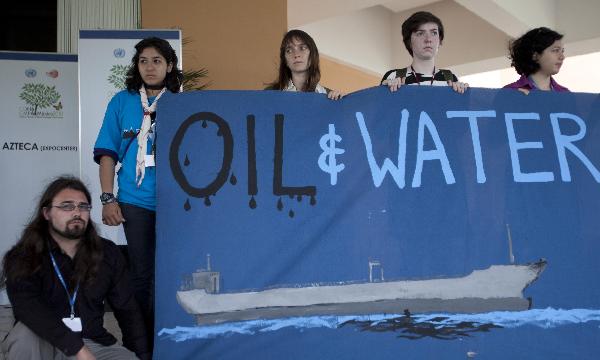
(64, 284)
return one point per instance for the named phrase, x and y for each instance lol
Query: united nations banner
(419, 224)
(39, 137)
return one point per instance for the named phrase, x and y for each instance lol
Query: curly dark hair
(410, 25)
(26, 256)
(285, 74)
(532, 42)
(174, 78)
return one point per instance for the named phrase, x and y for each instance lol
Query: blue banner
(415, 224)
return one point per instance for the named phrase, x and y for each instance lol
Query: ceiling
(366, 33)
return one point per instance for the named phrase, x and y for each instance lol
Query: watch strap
(107, 198)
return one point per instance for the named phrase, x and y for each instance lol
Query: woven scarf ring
(142, 137)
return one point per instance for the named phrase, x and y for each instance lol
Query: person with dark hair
(58, 277)
(127, 136)
(423, 34)
(536, 56)
(299, 66)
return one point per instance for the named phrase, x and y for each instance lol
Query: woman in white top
(299, 66)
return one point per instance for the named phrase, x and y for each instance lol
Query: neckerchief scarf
(142, 137)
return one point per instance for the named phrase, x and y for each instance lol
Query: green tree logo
(39, 95)
(117, 76)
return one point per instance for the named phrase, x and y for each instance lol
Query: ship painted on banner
(497, 288)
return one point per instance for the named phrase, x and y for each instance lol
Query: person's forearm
(107, 174)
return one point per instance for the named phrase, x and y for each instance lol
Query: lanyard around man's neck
(64, 284)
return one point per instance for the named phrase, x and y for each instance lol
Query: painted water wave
(438, 325)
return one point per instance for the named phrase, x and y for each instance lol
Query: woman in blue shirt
(127, 137)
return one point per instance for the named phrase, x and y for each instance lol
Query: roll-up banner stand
(39, 136)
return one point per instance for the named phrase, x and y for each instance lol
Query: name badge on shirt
(73, 323)
(149, 160)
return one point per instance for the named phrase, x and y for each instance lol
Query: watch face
(106, 196)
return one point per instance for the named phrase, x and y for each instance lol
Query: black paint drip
(252, 203)
(291, 213)
(186, 162)
(187, 205)
(313, 200)
(233, 179)
(207, 201)
(219, 132)
(279, 204)
(204, 124)
(299, 198)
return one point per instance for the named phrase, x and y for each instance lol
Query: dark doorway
(28, 25)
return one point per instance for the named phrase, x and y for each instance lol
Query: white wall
(573, 75)
(362, 37)
(477, 31)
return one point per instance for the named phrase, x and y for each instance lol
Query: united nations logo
(30, 73)
(119, 52)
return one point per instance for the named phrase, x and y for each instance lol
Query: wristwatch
(107, 198)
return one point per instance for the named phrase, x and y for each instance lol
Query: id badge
(149, 160)
(73, 323)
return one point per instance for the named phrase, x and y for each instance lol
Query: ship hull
(398, 306)
(497, 288)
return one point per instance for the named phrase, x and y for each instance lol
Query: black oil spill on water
(419, 327)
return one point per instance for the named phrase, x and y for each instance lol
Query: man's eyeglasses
(83, 207)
